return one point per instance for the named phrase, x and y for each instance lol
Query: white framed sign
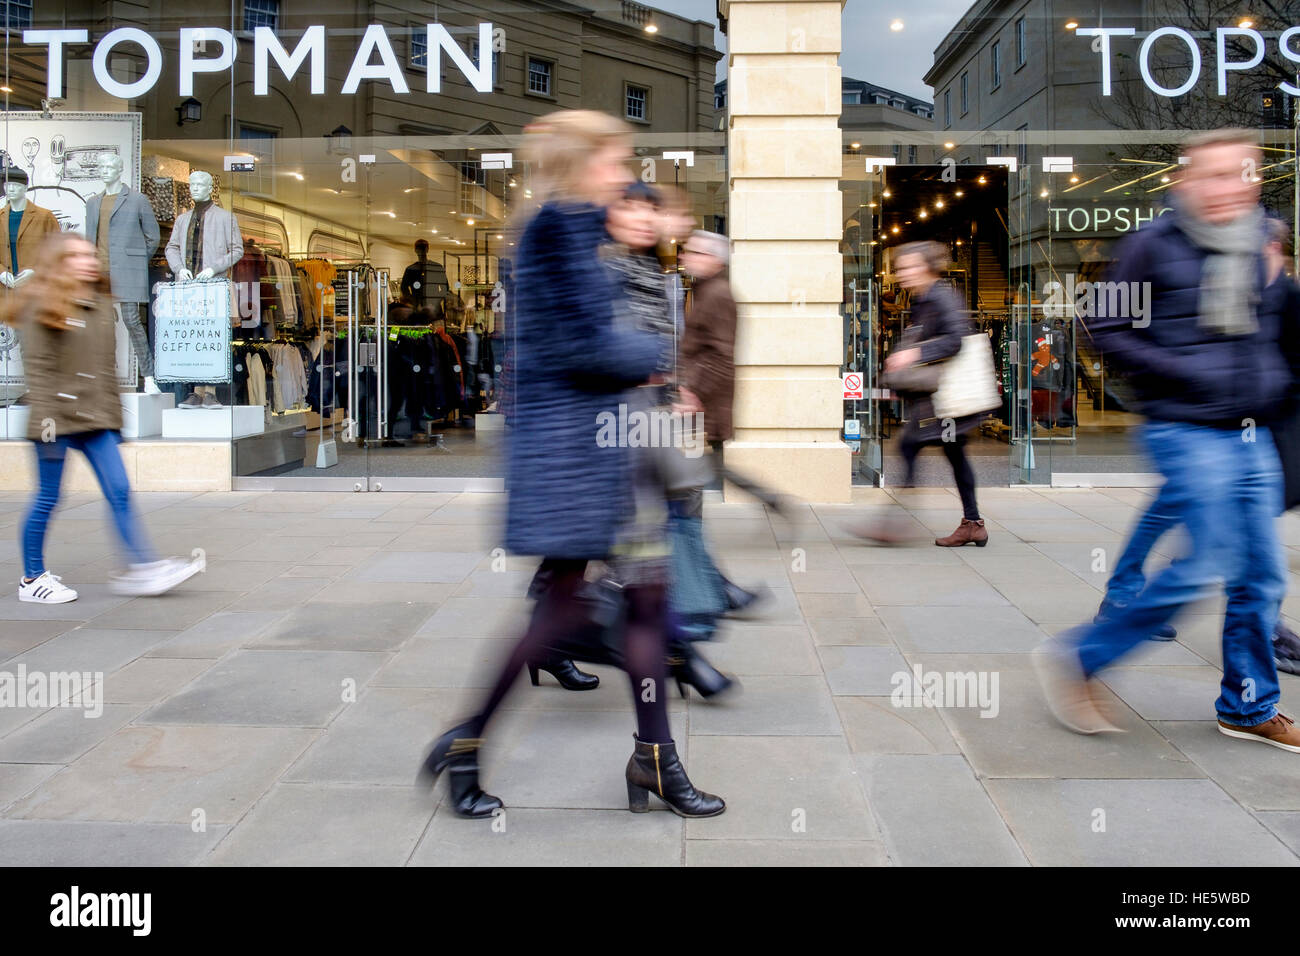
(192, 331)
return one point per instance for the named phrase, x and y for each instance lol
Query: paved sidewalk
(276, 707)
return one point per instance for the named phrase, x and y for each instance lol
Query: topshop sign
(1176, 35)
(309, 52)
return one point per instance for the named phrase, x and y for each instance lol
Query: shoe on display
(1108, 608)
(150, 386)
(1278, 732)
(46, 588)
(192, 400)
(154, 578)
(210, 401)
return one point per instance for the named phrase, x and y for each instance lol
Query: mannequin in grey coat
(125, 243)
(211, 253)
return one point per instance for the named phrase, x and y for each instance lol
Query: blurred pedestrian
(706, 383)
(65, 319)
(569, 493)
(1204, 354)
(933, 336)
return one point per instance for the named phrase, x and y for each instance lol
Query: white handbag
(967, 384)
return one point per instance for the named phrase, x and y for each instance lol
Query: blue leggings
(100, 449)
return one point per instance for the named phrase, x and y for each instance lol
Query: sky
(870, 51)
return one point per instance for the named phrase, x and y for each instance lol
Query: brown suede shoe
(1280, 732)
(967, 532)
(1066, 690)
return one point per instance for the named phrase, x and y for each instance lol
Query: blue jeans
(100, 449)
(1228, 492)
(1127, 580)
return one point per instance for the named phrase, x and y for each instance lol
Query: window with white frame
(539, 76)
(261, 13)
(18, 14)
(417, 51)
(637, 103)
(496, 60)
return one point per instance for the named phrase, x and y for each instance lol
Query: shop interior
(367, 360)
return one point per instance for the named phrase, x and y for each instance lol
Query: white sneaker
(46, 589)
(158, 577)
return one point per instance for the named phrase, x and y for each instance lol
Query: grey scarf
(1230, 278)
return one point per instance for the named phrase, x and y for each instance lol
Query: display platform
(238, 421)
(142, 413)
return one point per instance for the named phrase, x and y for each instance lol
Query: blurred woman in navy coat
(569, 493)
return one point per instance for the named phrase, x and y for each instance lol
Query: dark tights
(559, 613)
(955, 452)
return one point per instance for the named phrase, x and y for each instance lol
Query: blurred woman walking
(934, 335)
(66, 322)
(570, 494)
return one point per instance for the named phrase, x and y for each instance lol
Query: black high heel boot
(655, 768)
(456, 751)
(688, 668)
(567, 673)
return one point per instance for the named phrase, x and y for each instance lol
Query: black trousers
(955, 451)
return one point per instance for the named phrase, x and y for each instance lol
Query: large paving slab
(290, 694)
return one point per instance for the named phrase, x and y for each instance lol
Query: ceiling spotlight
(1164, 179)
(982, 180)
(434, 231)
(1043, 194)
(896, 25)
(469, 222)
(410, 189)
(938, 204)
(949, 145)
(924, 214)
(6, 88)
(651, 28)
(1072, 25)
(297, 176)
(959, 193)
(959, 242)
(1074, 179)
(855, 145)
(871, 205)
(499, 236)
(513, 184)
(1246, 23)
(894, 230)
(886, 194)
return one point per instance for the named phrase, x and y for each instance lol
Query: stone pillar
(784, 220)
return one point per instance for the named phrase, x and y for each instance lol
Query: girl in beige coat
(65, 320)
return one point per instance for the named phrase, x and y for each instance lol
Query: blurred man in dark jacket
(1184, 314)
(706, 370)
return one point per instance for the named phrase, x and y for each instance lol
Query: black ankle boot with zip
(655, 768)
(456, 752)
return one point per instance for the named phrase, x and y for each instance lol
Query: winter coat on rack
(568, 493)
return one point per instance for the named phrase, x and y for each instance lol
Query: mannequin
(24, 225)
(126, 240)
(205, 244)
(424, 283)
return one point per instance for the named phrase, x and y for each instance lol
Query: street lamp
(190, 111)
(339, 140)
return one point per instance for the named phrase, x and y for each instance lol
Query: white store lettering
(1173, 37)
(309, 51)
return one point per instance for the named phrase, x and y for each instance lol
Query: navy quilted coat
(567, 495)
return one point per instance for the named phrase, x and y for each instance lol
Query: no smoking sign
(852, 386)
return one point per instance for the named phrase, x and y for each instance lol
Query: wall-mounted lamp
(339, 140)
(190, 111)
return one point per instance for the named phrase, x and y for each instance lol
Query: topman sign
(374, 58)
(1172, 38)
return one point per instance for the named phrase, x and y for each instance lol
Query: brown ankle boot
(967, 532)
